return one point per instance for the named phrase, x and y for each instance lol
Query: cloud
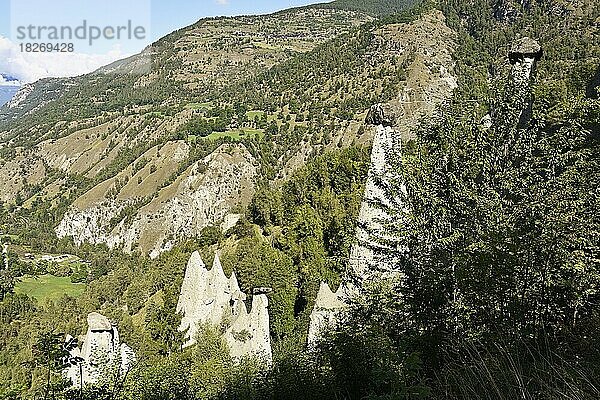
(5, 82)
(30, 67)
(223, 2)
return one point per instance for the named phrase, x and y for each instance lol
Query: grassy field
(48, 287)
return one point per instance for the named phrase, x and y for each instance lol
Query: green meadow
(50, 287)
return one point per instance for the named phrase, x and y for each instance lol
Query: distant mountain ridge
(9, 86)
(8, 80)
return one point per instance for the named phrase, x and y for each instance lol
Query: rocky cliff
(326, 312)
(161, 214)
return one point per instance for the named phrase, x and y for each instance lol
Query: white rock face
(21, 95)
(101, 353)
(89, 225)
(202, 195)
(128, 358)
(486, 122)
(209, 297)
(523, 68)
(523, 55)
(364, 263)
(249, 333)
(98, 322)
(206, 296)
(326, 312)
(192, 289)
(230, 221)
(73, 372)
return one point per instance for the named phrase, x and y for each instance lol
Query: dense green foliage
(311, 221)
(281, 251)
(502, 268)
(376, 7)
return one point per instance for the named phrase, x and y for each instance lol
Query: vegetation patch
(48, 287)
(237, 134)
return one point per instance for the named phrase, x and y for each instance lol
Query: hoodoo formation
(102, 354)
(366, 260)
(210, 298)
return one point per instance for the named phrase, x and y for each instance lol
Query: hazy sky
(156, 18)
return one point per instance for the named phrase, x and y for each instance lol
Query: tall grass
(514, 371)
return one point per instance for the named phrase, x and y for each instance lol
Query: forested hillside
(495, 228)
(377, 7)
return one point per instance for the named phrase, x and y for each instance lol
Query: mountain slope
(374, 7)
(215, 51)
(395, 53)
(285, 94)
